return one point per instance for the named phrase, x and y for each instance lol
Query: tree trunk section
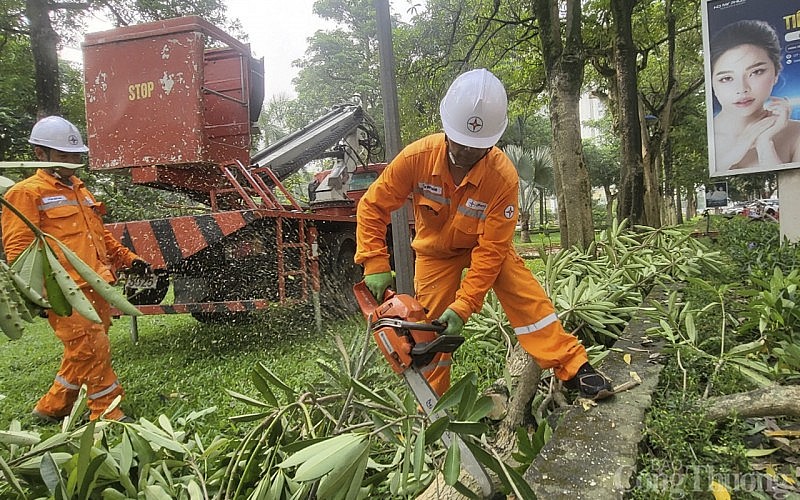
(630, 203)
(524, 375)
(44, 46)
(564, 62)
(767, 402)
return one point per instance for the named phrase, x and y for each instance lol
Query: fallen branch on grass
(769, 401)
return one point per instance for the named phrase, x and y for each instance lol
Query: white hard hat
(57, 133)
(474, 110)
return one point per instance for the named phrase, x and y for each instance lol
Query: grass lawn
(178, 366)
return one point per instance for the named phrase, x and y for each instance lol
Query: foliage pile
(353, 432)
(726, 337)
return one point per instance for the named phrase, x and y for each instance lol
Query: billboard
(752, 73)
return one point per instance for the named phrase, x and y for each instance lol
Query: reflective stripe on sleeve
(538, 325)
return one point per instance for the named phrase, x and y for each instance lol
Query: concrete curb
(593, 452)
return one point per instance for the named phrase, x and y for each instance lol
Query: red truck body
(176, 112)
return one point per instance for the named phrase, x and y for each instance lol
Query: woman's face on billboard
(742, 79)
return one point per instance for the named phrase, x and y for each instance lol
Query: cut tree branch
(769, 401)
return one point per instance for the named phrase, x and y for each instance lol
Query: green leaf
(747, 348)
(452, 463)
(125, 463)
(315, 460)
(344, 481)
(467, 402)
(156, 492)
(276, 381)
(144, 452)
(758, 452)
(20, 438)
(368, 393)
(691, 330)
(51, 474)
(419, 455)
(755, 376)
(11, 478)
(111, 294)
(335, 455)
(261, 381)
(436, 429)
(161, 441)
(482, 407)
(90, 476)
(85, 452)
(112, 494)
(247, 399)
(248, 417)
(194, 490)
(69, 288)
(453, 395)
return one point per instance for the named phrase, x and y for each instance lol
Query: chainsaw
(408, 342)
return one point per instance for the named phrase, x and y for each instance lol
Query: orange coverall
(466, 226)
(71, 214)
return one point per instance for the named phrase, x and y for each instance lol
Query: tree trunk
(542, 209)
(564, 61)
(630, 203)
(767, 402)
(671, 210)
(525, 227)
(691, 202)
(651, 167)
(609, 205)
(524, 375)
(44, 46)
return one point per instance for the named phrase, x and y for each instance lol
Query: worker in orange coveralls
(465, 196)
(59, 204)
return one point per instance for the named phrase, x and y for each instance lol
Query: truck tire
(339, 274)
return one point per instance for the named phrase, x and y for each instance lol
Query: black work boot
(590, 383)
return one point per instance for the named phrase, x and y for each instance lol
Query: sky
(277, 31)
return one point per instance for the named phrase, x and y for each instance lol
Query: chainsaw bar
(427, 399)
(408, 342)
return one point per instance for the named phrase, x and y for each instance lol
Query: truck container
(172, 104)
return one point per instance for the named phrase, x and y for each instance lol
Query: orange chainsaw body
(394, 342)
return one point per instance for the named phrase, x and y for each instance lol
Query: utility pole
(401, 235)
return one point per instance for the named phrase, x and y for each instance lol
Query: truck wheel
(340, 274)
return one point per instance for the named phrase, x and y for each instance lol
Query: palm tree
(535, 170)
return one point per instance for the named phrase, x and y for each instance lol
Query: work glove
(453, 321)
(140, 267)
(378, 283)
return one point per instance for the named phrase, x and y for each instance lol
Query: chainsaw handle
(408, 325)
(366, 301)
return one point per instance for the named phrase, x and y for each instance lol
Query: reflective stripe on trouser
(528, 308)
(86, 360)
